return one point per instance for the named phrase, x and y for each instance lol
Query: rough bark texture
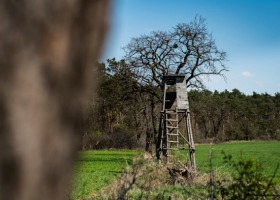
(47, 53)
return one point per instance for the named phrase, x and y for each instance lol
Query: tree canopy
(188, 49)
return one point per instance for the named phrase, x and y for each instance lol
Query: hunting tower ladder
(175, 132)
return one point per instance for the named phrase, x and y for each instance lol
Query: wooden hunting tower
(175, 137)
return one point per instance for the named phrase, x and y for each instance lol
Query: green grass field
(96, 169)
(265, 153)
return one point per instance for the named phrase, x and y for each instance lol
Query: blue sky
(248, 30)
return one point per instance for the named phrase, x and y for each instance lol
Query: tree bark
(154, 122)
(47, 51)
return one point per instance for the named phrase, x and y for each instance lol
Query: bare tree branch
(187, 49)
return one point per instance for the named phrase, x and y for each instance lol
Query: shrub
(248, 181)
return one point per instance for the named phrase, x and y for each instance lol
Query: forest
(128, 113)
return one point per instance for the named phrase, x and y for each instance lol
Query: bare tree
(189, 49)
(47, 51)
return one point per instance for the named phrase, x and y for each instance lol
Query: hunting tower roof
(172, 79)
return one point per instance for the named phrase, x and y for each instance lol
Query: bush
(248, 181)
(121, 138)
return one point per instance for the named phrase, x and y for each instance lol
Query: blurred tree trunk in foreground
(47, 51)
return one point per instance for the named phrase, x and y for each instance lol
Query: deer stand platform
(175, 139)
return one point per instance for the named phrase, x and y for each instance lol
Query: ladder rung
(171, 141)
(171, 126)
(172, 120)
(175, 134)
(171, 112)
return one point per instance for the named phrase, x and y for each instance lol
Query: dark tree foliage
(122, 114)
(223, 116)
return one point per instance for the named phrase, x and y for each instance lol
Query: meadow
(266, 154)
(96, 169)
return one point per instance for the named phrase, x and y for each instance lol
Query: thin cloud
(247, 74)
(260, 84)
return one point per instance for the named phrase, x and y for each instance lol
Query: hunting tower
(175, 139)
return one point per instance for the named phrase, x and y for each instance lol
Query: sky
(248, 30)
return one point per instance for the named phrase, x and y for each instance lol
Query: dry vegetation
(149, 179)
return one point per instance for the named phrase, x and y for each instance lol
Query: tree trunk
(47, 51)
(148, 131)
(205, 128)
(154, 123)
(149, 137)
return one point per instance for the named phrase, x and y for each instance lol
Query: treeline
(125, 113)
(232, 115)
